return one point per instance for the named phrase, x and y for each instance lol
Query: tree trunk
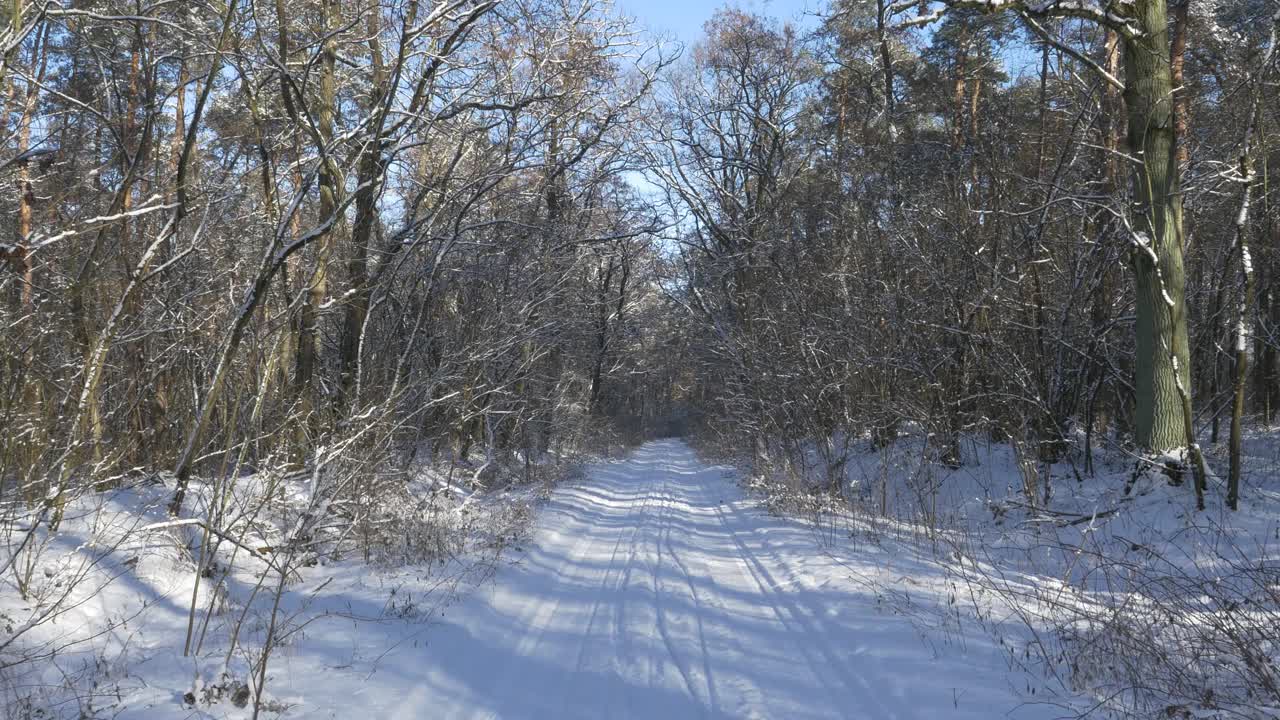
(1163, 378)
(1242, 338)
(1267, 365)
(1181, 98)
(21, 253)
(369, 180)
(330, 184)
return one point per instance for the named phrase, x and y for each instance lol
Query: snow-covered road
(653, 589)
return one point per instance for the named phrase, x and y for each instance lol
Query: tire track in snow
(682, 665)
(608, 581)
(802, 607)
(538, 621)
(616, 575)
(805, 634)
(644, 595)
(713, 700)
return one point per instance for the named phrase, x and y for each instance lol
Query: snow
(664, 586)
(103, 628)
(656, 589)
(1118, 590)
(653, 587)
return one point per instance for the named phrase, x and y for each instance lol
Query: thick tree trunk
(1163, 377)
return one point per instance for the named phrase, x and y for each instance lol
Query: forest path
(655, 589)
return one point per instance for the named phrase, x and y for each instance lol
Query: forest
(978, 297)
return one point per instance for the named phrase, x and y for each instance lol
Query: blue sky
(684, 18)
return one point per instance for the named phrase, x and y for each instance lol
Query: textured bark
(1162, 372)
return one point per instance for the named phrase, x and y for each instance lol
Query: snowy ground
(1124, 602)
(657, 590)
(651, 588)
